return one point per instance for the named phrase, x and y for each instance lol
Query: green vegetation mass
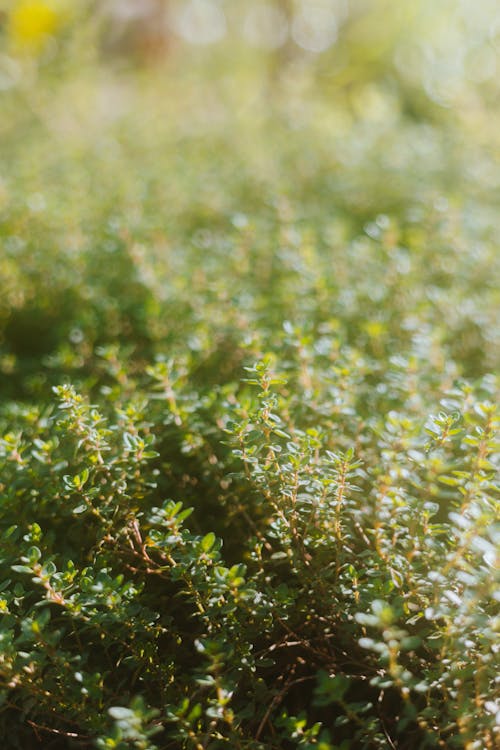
(248, 342)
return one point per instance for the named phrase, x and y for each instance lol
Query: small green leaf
(208, 541)
(21, 569)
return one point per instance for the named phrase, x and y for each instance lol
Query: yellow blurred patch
(375, 329)
(32, 23)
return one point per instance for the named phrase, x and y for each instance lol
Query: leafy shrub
(359, 605)
(247, 439)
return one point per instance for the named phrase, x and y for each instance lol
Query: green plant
(248, 442)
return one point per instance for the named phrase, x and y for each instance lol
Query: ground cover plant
(248, 355)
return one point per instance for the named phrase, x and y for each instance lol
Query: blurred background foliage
(224, 161)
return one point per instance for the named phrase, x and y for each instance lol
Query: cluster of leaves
(359, 607)
(247, 430)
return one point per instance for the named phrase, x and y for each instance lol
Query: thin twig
(277, 700)
(73, 735)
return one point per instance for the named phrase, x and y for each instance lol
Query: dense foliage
(248, 337)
